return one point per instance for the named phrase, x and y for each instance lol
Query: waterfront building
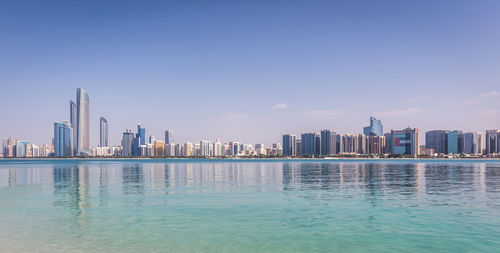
(141, 132)
(289, 145)
(103, 126)
(388, 143)
(169, 135)
(21, 147)
(298, 147)
(63, 139)
(35, 150)
(188, 149)
(260, 149)
(82, 119)
(455, 142)
(362, 144)
(376, 144)
(472, 143)
(426, 151)
(205, 148)
(226, 149)
(375, 128)
(234, 148)
(170, 149)
(73, 118)
(152, 139)
(493, 141)
(178, 150)
(9, 147)
(159, 149)
(310, 145)
(405, 142)
(437, 140)
(328, 142)
(127, 143)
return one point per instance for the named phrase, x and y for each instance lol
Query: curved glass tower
(82, 127)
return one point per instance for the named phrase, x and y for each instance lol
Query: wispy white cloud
(399, 113)
(235, 116)
(280, 106)
(489, 113)
(490, 94)
(324, 113)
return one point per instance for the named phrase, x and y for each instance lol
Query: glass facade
(405, 142)
(375, 128)
(289, 145)
(455, 142)
(328, 142)
(310, 145)
(103, 126)
(63, 139)
(83, 134)
(169, 135)
(437, 140)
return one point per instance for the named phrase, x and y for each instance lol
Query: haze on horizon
(249, 71)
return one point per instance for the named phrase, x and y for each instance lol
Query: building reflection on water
(75, 184)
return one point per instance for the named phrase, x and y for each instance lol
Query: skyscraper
(492, 141)
(141, 132)
(405, 142)
(376, 144)
(455, 142)
(103, 132)
(375, 128)
(21, 148)
(289, 148)
(169, 135)
(437, 140)
(127, 142)
(310, 145)
(472, 143)
(73, 113)
(63, 139)
(328, 140)
(82, 122)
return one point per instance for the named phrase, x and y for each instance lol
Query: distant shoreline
(244, 159)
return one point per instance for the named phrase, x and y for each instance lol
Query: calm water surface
(258, 206)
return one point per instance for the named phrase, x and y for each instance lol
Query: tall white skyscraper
(82, 119)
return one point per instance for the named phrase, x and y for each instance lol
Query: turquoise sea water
(249, 206)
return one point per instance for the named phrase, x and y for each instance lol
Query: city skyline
(242, 72)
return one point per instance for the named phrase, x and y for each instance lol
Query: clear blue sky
(212, 69)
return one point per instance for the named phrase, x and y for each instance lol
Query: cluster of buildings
(71, 139)
(403, 142)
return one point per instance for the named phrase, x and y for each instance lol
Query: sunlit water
(249, 206)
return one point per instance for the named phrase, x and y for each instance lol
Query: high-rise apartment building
(328, 142)
(437, 140)
(103, 127)
(405, 142)
(289, 145)
(63, 139)
(376, 144)
(311, 144)
(472, 143)
(455, 142)
(493, 141)
(375, 128)
(127, 143)
(205, 148)
(169, 135)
